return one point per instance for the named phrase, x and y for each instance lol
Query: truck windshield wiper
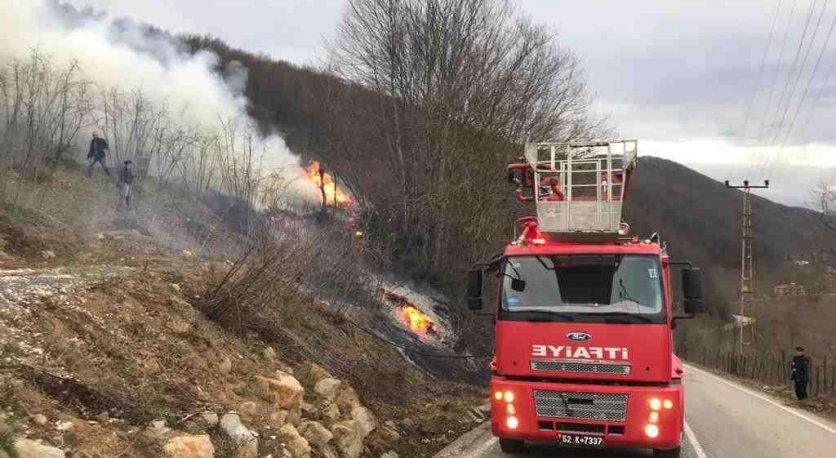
(626, 318)
(537, 316)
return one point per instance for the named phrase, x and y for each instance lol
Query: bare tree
(454, 86)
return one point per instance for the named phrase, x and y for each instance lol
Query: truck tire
(511, 446)
(671, 453)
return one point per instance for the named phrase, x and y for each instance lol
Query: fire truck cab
(583, 317)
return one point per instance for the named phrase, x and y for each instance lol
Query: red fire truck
(584, 354)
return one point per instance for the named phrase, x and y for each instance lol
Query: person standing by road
(126, 181)
(800, 373)
(97, 152)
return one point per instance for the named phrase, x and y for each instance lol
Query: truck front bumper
(652, 418)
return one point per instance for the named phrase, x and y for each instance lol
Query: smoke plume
(123, 55)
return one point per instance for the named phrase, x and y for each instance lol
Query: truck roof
(623, 247)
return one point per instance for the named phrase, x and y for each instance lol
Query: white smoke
(120, 54)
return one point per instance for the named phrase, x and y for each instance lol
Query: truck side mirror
(692, 290)
(474, 289)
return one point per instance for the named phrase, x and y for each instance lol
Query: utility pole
(747, 265)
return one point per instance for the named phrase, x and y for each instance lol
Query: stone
(347, 438)
(297, 445)
(175, 287)
(390, 434)
(248, 407)
(365, 419)
(278, 417)
(210, 418)
(247, 443)
(40, 419)
(268, 353)
(183, 327)
(327, 388)
(307, 408)
(30, 449)
(389, 454)
(68, 426)
(283, 390)
(187, 446)
(225, 366)
(316, 434)
(347, 399)
(160, 427)
(48, 254)
(330, 411)
(103, 416)
(318, 373)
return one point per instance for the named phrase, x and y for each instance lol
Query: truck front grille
(551, 365)
(581, 405)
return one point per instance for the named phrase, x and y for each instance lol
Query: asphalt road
(724, 420)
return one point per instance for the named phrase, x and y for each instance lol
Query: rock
(347, 438)
(188, 254)
(330, 411)
(307, 408)
(297, 445)
(408, 423)
(365, 420)
(175, 287)
(183, 327)
(48, 254)
(103, 417)
(284, 390)
(248, 407)
(247, 444)
(389, 454)
(40, 419)
(30, 449)
(389, 434)
(189, 447)
(278, 418)
(160, 427)
(316, 434)
(318, 373)
(327, 388)
(294, 416)
(210, 418)
(329, 452)
(347, 399)
(284, 367)
(225, 366)
(268, 353)
(68, 426)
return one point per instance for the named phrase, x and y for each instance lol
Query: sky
(711, 84)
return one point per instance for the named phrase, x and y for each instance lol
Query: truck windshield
(583, 288)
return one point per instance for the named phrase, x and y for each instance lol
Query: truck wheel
(511, 446)
(672, 453)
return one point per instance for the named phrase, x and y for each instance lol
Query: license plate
(581, 440)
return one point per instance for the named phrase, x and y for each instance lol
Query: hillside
(700, 219)
(109, 346)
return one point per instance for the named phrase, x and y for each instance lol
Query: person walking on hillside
(126, 181)
(800, 373)
(97, 152)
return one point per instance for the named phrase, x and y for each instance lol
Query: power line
(762, 128)
(776, 123)
(760, 71)
(809, 84)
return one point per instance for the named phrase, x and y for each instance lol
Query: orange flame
(334, 196)
(417, 321)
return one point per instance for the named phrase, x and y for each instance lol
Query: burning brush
(332, 195)
(410, 315)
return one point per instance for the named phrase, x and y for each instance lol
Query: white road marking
(689, 433)
(765, 399)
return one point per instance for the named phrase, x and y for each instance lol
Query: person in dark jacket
(126, 181)
(96, 153)
(800, 373)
